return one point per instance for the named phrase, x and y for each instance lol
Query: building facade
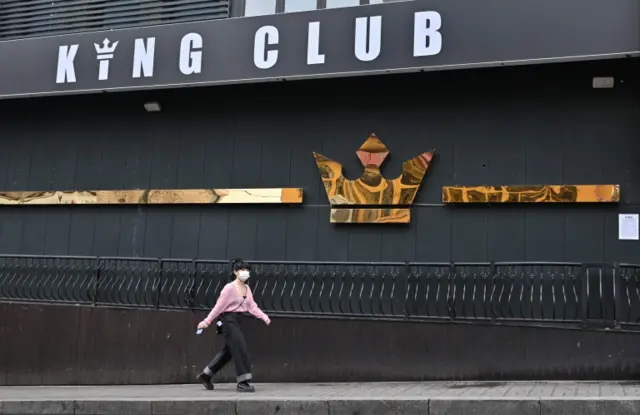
(520, 109)
(523, 103)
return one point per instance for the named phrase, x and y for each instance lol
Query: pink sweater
(230, 301)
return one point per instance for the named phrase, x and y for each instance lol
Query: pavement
(431, 398)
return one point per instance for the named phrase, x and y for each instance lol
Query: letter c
(266, 35)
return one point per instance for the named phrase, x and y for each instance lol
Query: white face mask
(243, 275)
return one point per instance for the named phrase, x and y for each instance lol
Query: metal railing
(562, 294)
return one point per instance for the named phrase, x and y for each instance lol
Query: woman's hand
(203, 325)
(268, 322)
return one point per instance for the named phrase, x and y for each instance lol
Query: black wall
(542, 124)
(149, 347)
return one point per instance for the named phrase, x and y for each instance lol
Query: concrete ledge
(378, 407)
(484, 407)
(589, 407)
(199, 407)
(261, 407)
(37, 407)
(323, 406)
(115, 407)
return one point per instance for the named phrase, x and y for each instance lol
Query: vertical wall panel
(62, 132)
(415, 129)
(82, 232)
(19, 165)
(185, 232)
(34, 230)
(433, 234)
(40, 169)
(218, 133)
(4, 214)
(506, 230)
(112, 174)
(302, 223)
(139, 138)
(506, 163)
(339, 143)
(246, 166)
(275, 171)
(545, 228)
(164, 175)
(468, 234)
(107, 231)
(190, 166)
(18, 169)
(271, 233)
(133, 227)
(88, 170)
(242, 234)
(587, 225)
(545, 235)
(425, 130)
(332, 240)
(11, 232)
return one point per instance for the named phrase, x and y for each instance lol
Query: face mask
(243, 275)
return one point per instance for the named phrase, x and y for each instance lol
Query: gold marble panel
(586, 193)
(370, 215)
(154, 197)
(372, 188)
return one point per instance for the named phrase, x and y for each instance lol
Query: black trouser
(235, 347)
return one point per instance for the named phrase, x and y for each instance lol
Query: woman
(235, 298)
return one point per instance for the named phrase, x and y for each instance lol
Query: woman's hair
(238, 264)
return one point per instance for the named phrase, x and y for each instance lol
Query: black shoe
(245, 387)
(206, 381)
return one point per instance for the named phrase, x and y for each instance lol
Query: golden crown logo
(379, 200)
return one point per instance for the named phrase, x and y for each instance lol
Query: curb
(482, 406)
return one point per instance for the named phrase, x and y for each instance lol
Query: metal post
(584, 284)
(194, 281)
(158, 283)
(405, 289)
(489, 299)
(617, 295)
(96, 280)
(450, 297)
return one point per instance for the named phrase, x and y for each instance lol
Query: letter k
(66, 69)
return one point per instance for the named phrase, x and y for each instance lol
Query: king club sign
(367, 47)
(405, 36)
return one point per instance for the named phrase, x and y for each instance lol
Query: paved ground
(335, 391)
(431, 398)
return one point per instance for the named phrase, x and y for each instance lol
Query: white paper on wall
(628, 226)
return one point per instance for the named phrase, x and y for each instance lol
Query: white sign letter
(190, 61)
(143, 57)
(104, 55)
(314, 57)
(364, 53)
(266, 35)
(427, 41)
(66, 70)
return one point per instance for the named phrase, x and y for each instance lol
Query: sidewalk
(433, 398)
